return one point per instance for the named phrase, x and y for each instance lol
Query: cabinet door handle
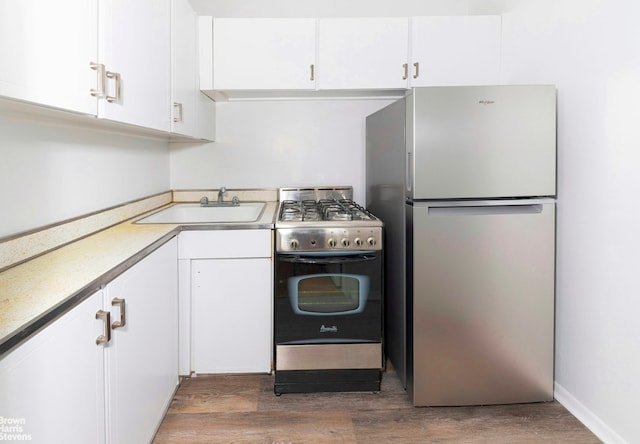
(123, 320)
(179, 117)
(102, 80)
(106, 337)
(312, 68)
(118, 81)
(417, 70)
(405, 67)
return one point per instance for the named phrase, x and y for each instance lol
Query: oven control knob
(345, 242)
(371, 241)
(358, 241)
(294, 244)
(331, 242)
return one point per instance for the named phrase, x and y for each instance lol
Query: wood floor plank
(244, 409)
(217, 393)
(508, 424)
(257, 427)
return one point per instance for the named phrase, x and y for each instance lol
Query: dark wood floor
(243, 409)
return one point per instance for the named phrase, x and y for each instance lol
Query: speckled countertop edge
(36, 292)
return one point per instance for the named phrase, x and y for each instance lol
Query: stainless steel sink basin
(193, 213)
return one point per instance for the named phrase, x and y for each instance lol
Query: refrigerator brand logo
(486, 102)
(332, 329)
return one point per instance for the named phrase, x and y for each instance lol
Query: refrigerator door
(481, 142)
(481, 278)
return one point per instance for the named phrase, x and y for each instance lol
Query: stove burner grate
(323, 210)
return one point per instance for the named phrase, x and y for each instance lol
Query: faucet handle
(204, 200)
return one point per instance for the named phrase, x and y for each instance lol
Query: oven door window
(328, 294)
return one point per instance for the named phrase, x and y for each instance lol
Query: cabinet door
(135, 44)
(264, 53)
(142, 358)
(183, 67)
(363, 53)
(232, 315)
(193, 112)
(45, 51)
(53, 384)
(458, 50)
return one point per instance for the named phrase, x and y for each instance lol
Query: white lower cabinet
(226, 285)
(231, 315)
(142, 357)
(52, 386)
(62, 386)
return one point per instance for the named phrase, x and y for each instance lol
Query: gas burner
(323, 210)
(325, 219)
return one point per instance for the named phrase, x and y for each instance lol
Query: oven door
(328, 297)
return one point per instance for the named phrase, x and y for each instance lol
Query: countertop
(36, 292)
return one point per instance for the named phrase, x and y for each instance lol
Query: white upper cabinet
(193, 112)
(45, 51)
(264, 54)
(456, 50)
(134, 47)
(363, 53)
(254, 56)
(109, 59)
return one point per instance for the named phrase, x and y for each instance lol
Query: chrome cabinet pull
(118, 80)
(417, 71)
(102, 80)
(179, 106)
(405, 67)
(313, 72)
(123, 320)
(106, 337)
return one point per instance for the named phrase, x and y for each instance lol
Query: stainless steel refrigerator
(464, 179)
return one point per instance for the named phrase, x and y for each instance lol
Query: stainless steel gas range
(328, 293)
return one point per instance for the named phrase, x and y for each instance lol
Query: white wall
(271, 144)
(50, 173)
(591, 51)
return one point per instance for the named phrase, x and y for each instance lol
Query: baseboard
(587, 417)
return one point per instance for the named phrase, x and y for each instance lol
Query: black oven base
(312, 381)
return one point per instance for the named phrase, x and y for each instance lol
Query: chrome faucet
(235, 202)
(221, 192)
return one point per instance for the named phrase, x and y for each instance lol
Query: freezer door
(482, 280)
(481, 142)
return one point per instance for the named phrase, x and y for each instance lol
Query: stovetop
(322, 206)
(325, 219)
(323, 210)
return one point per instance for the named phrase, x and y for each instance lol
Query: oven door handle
(327, 260)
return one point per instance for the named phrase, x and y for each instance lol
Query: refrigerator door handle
(408, 172)
(481, 210)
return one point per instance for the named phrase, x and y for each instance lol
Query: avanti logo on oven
(332, 329)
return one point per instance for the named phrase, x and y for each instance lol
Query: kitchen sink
(193, 213)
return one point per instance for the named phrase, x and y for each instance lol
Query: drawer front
(224, 244)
